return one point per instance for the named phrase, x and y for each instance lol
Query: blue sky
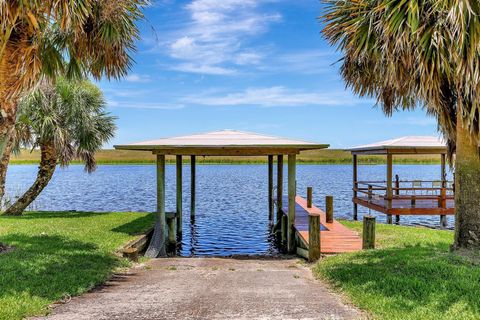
(252, 65)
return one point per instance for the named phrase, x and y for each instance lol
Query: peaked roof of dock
(404, 145)
(224, 142)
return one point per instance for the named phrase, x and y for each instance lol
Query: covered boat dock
(396, 197)
(168, 226)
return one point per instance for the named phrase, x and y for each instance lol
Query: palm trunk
(4, 165)
(8, 97)
(467, 190)
(46, 169)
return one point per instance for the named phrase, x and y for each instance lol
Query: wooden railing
(407, 190)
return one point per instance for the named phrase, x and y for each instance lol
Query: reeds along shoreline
(329, 156)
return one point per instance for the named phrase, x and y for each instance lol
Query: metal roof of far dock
(224, 142)
(404, 145)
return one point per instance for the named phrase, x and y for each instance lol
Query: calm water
(232, 209)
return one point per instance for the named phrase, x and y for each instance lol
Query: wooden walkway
(334, 237)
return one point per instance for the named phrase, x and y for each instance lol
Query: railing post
(313, 238)
(309, 197)
(370, 192)
(329, 209)
(369, 232)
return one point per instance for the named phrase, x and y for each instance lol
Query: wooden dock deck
(404, 205)
(334, 237)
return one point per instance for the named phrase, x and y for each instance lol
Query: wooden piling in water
(292, 161)
(179, 167)
(329, 209)
(313, 238)
(192, 187)
(355, 186)
(172, 228)
(284, 228)
(309, 197)
(279, 188)
(270, 188)
(389, 186)
(369, 232)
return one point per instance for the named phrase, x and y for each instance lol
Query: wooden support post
(309, 197)
(443, 191)
(270, 188)
(389, 186)
(284, 228)
(397, 192)
(192, 187)
(172, 227)
(329, 209)
(157, 247)
(355, 186)
(279, 187)
(369, 232)
(313, 238)
(292, 159)
(179, 166)
(443, 221)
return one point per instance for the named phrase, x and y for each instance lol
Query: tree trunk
(467, 190)
(4, 164)
(46, 169)
(8, 96)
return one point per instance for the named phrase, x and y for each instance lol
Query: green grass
(411, 275)
(330, 156)
(60, 254)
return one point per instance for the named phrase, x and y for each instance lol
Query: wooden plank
(334, 237)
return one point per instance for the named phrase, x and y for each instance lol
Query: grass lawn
(412, 275)
(60, 254)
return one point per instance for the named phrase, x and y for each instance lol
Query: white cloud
(138, 78)
(303, 62)
(216, 36)
(275, 97)
(203, 69)
(144, 105)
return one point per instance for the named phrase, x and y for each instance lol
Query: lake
(232, 206)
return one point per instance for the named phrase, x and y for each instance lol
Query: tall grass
(330, 156)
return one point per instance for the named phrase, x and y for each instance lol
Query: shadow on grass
(47, 268)
(55, 214)
(137, 226)
(407, 280)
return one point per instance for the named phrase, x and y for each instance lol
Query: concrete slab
(211, 288)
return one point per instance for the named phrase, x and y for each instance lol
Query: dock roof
(224, 142)
(404, 145)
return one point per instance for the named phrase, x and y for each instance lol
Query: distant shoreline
(316, 157)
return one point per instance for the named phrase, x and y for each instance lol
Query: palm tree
(66, 120)
(420, 54)
(96, 37)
